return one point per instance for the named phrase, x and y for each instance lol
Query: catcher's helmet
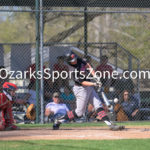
(70, 57)
(7, 87)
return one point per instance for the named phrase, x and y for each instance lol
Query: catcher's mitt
(31, 114)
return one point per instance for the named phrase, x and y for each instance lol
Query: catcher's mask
(7, 88)
(70, 57)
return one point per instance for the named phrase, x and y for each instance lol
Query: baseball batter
(84, 91)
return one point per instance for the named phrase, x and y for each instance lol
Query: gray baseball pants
(85, 95)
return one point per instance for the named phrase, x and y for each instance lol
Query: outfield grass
(92, 124)
(131, 144)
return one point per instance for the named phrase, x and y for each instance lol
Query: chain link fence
(35, 34)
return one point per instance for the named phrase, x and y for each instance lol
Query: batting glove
(98, 84)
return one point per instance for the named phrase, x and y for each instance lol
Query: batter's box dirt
(97, 133)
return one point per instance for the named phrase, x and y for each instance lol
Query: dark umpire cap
(55, 94)
(70, 56)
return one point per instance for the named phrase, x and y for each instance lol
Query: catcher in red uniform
(7, 98)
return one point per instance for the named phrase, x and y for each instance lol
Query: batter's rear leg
(100, 112)
(102, 116)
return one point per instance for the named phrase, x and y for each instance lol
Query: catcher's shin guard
(2, 120)
(8, 115)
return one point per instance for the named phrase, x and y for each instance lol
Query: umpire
(84, 91)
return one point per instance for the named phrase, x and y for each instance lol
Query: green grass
(97, 124)
(126, 144)
(131, 144)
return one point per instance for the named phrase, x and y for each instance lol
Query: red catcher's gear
(9, 86)
(6, 116)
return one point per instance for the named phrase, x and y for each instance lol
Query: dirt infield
(95, 133)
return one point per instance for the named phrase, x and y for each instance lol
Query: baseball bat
(110, 107)
(104, 96)
(106, 101)
(97, 80)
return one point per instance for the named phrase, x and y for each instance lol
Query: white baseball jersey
(57, 108)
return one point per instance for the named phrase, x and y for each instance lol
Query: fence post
(116, 56)
(37, 59)
(42, 62)
(138, 80)
(85, 31)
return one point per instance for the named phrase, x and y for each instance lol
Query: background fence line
(121, 33)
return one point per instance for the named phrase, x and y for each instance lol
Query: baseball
(116, 100)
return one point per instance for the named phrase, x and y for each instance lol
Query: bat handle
(100, 89)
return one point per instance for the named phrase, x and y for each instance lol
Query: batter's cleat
(56, 126)
(11, 127)
(114, 127)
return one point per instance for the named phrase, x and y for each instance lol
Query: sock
(108, 122)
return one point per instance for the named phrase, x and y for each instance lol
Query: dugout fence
(37, 32)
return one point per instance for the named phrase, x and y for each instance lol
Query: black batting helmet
(70, 56)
